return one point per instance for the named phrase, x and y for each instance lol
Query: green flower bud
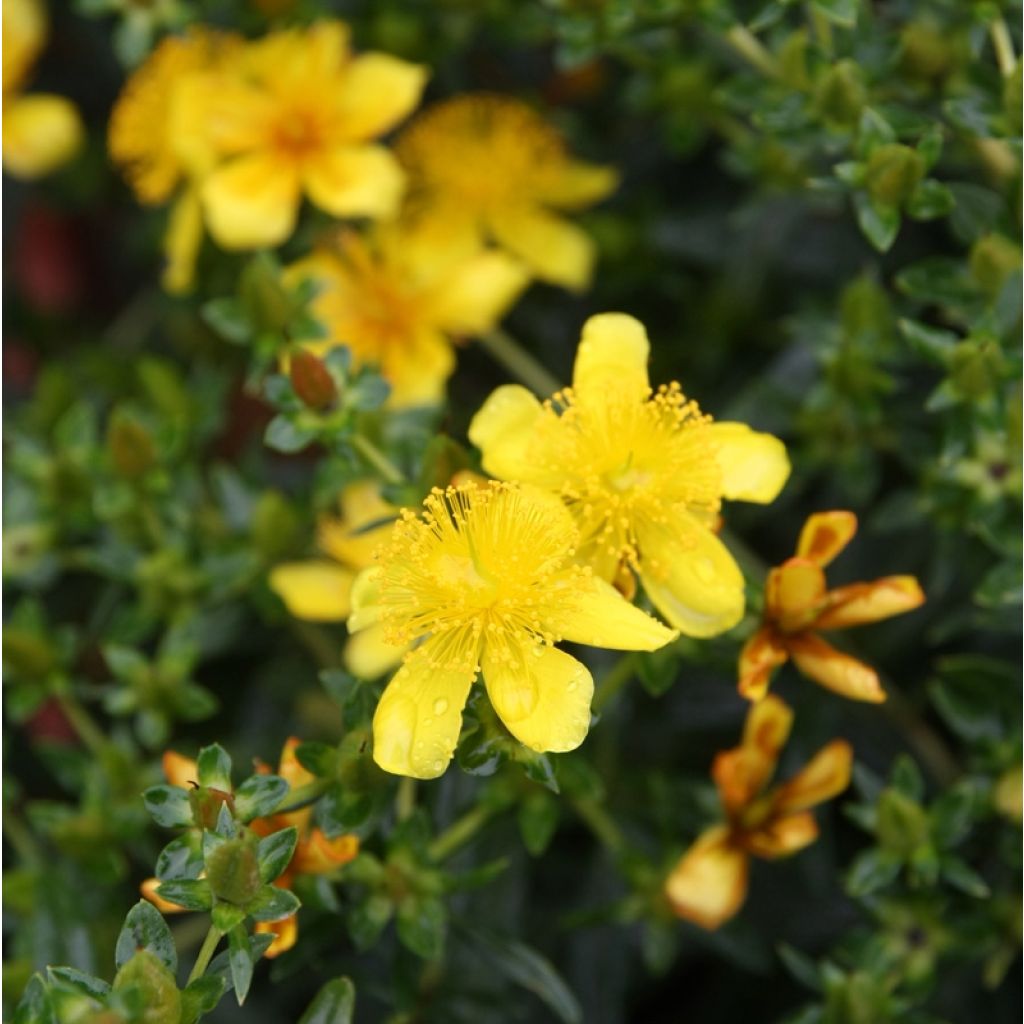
(839, 96)
(893, 172)
(993, 259)
(902, 822)
(234, 871)
(130, 446)
(926, 52)
(976, 366)
(147, 973)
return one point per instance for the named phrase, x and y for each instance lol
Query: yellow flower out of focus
(296, 113)
(643, 473)
(798, 604)
(484, 578)
(314, 854)
(41, 132)
(485, 167)
(709, 884)
(318, 590)
(399, 304)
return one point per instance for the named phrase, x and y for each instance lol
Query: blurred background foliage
(819, 224)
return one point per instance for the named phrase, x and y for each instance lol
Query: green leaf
(966, 879)
(370, 392)
(188, 893)
(538, 819)
(200, 997)
(367, 918)
(879, 223)
(226, 916)
(126, 663)
(907, 778)
(259, 795)
(241, 961)
(1002, 586)
(214, 768)
(227, 317)
(273, 904)
(180, 858)
(275, 852)
(930, 200)
(873, 130)
(333, 1004)
(872, 870)
(422, 922)
(35, 1006)
(168, 806)
(801, 966)
(318, 758)
(952, 814)
(78, 981)
(839, 12)
(538, 767)
(284, 436)
(933, 343)
(145, 928)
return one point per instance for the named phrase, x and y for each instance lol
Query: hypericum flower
(709, 884)
(314, 854)
(797, 605)
(487, 167)
(40, 131)
(400, 304)
(161, 151)
(295, 115)
(643, 474)
(318, 590)
(484, 579)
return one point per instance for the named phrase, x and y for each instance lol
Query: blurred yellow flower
(295, 114)
(318, 590)
(485, 167)
(643, 474)
(483, 578)
(401, 304)
(797, 605)
(40, 131)
(709, 884)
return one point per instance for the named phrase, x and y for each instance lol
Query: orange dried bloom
(798, 605)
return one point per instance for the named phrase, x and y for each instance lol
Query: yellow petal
(346, 539)
(377, 91)
(181, 242)
(823, 777)
(782, 836)
(576, 184)
(540, 693)
(709, 884)
(794, 592)
(317, 591)
(24, 33)
(285, 932)
(419, 372)
(318, 855)
(503, 430)
(369, 656)
(754, 466)
(742, 773)
(179, 770)
(869, 602)
(417, 722)
(825, 534)
(600, 616)
(475, 295)
(40, 133)
(767, 726)
(251, 202)
(555, 250)
(834, 670)
(690, 576)
(149, 890)
(365, 598)
(762, 654)
(613, 353)
(354, 181)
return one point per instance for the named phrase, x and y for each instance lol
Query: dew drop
(440, 706)
(438, 765)
(704, 569)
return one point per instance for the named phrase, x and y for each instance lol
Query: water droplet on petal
(440, 706)
(704, 569)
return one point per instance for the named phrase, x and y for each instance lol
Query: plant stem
(303, 796)
(206, 951)
(405, 798)
(507, 352)
(84, 724)
(21, 839)
(601, 824)
(1003, 45)
(745, 43)
(387, 469)
(612, 681)
(460, 831)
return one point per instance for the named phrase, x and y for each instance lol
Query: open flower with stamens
(401, 303)
(642, 473)
(484, 167)
(296, 114)
(484, 578)
(709, 884)
(798, 605)
(319, 589)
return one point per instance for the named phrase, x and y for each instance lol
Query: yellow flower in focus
(295, 114)
(41, 131)
(485, 167)
(798, 604)
(318, 590)
(160, 149)
(401, 304)
(643, 474)
(709, 884)
(483, 578)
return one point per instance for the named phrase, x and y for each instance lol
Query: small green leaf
(214, 768)
(145, 928)
(333, 1004)
(801, 966)
(538, 819)
(284, 436)
(872, 870)
(839, 12)
(180, 858)
(966, 879)
(79, 981)
(188, 893)
(168, 806)
(200, 997)
(907, 778)
(227, 317)
(259, 795)
(318, 758)
(275, 852)
(880, 224)
(930, 200)
(241, 961)
(422, 922)
(273, 904)
(226, 916)
(35, 1006)
(366, 919)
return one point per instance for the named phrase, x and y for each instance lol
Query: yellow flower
(318, 590)
(294, 115)
(797, 605)
(488, 167)
(40, 131)
(643, 474)
(484, 579)
(709, 884)
(400, 304)
(160, 149)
